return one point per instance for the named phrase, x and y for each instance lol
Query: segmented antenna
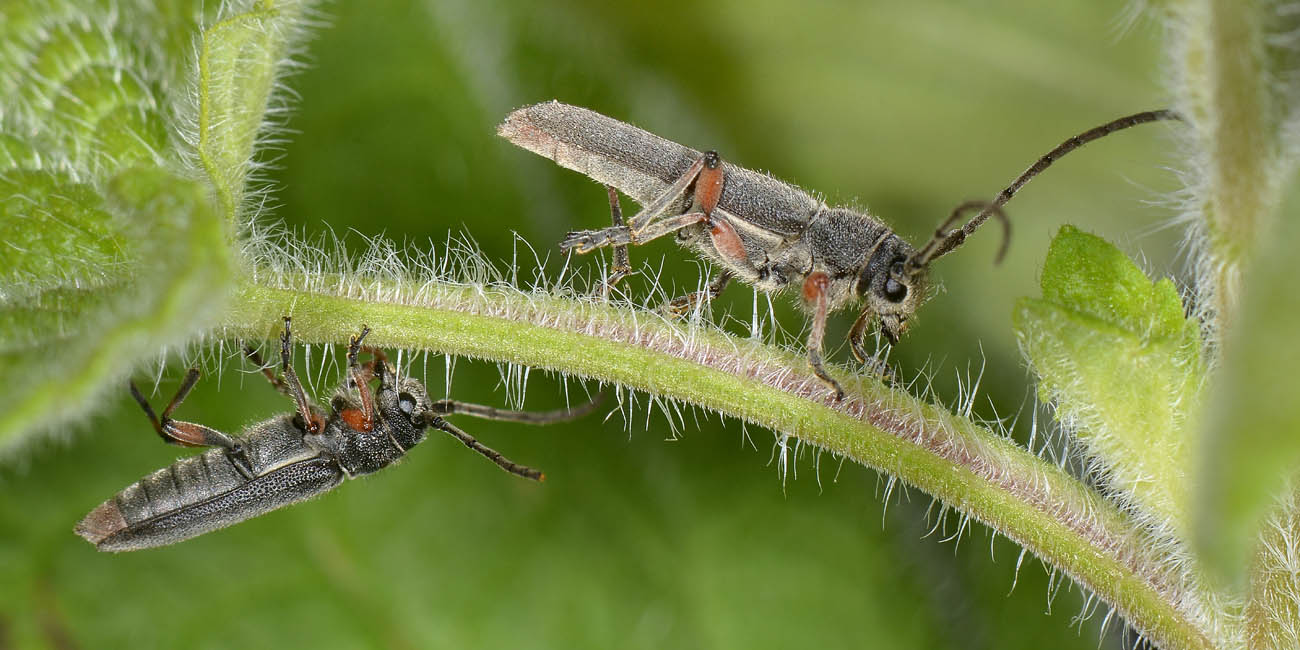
(945, 241)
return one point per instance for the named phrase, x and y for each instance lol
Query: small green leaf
(240, 57)
(102, 266)
(1116, 355)
(1086, 274)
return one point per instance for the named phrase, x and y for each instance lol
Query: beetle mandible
(288, 458)
(765, 232)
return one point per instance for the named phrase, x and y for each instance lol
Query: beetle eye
(406, 402)
(895, 291)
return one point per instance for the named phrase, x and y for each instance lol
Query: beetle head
(895, 280)
(892, 291)
(404, 406)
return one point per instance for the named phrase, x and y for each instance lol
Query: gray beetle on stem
(760, 230)
(288, 458)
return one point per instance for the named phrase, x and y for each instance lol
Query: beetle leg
(276, 382)
(311, 420)
(374, 368)
(375, 353)
(727, 243)
(361, 378)
(378, 366)
(585, 241)
(857, 336)
(667, 227)
(488, 452)
(175, 432)
(683, 305)
(814, 295)
(707, 175)
(622, 264)
(859, 333)
(189, 434)
(708, 186)
(452, 407)
(649, 213)
(708, 191)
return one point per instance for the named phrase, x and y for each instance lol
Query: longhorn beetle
(760, 230)
(288, 458)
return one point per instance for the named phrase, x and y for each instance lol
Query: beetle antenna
(451, 407)
(945, 241)
(491, 454)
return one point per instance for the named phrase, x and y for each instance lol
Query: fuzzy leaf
(1122, 363)
(56, 234)
(90, 252)
(240, 57)
(64, 343)
(76, 93)
(105, 266)
(1273, 611)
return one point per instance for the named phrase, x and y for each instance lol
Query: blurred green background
(638, 538)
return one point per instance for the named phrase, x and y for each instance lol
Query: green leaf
(107, 266)
(1116, 355)
(78, 88)
(56, 234)
(65, 342)
(240, 57)
(89, 250)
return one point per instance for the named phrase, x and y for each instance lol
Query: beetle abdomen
(178, 502)
(183, 483)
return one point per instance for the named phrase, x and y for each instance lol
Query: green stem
(1227, 76)
(981, 474)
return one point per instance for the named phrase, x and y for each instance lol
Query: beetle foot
(682, 306)
(585, 241)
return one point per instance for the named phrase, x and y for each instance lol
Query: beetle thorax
(396, 428)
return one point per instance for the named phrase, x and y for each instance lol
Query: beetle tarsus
(585, 241)
(682, 306)
(815, 362)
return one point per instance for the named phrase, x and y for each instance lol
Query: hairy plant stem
(1226, 92)
(981, 474)
(1236, 62)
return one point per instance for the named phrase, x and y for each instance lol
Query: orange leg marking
(727, 241)
(814, 295)
(708, 186)
(361, 377)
